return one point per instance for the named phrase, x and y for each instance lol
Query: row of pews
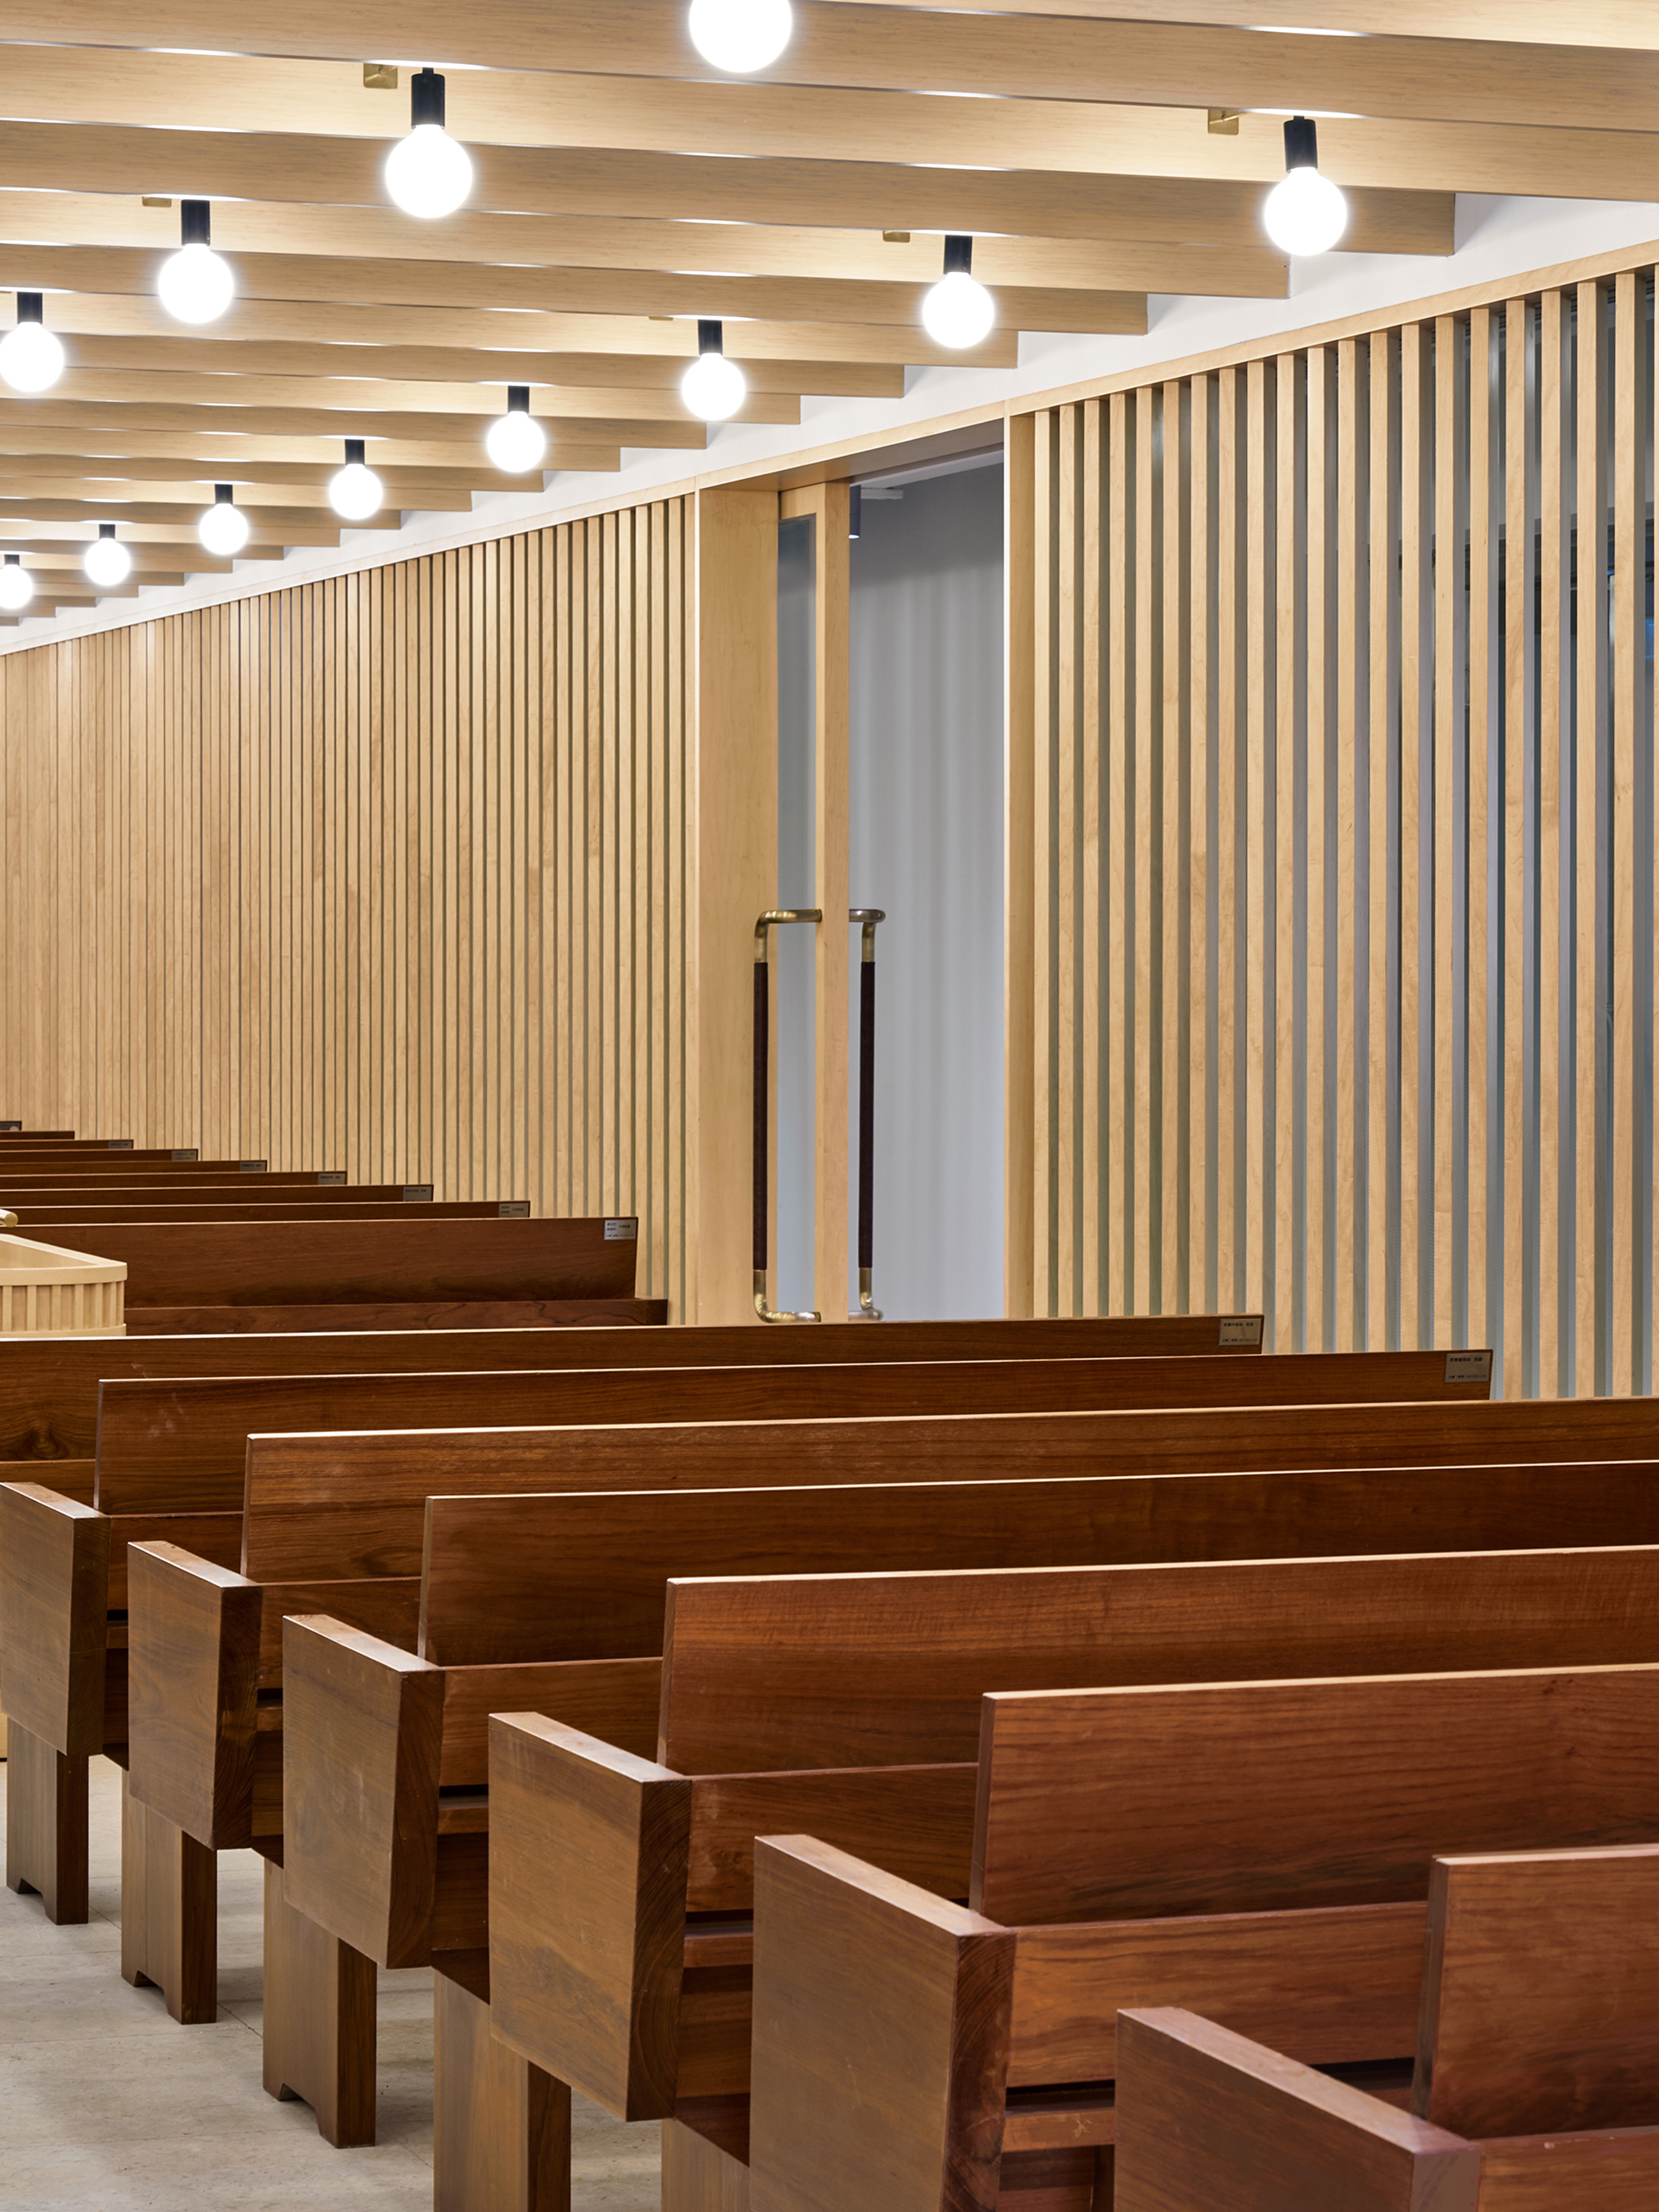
(917, 1763)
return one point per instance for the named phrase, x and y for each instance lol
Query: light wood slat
(1350, 447)
(1592, 875)
(1485, 495)
(1170, 846)
(1257, 903)
(1200, 61)
(1200, 709)
(1447, 693)
(1384, 685)
(1092, 604)
(1119, 1099)
(1414, 1324)
(1048, 1102)
(1553, 699)
(1145, 1198)
(1630, 563)
(1025, 838)
(1288, 498)
(1319, 366)
(1226, 863)
(1517, 663)
(1068, 1163)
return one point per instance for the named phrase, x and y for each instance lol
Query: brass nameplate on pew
(625, 1231)
(121, 1144)
(1468, 1367)
(1240, 1329)
(185, 1153)
(7, 1127)
(259, 1167)
(417, 1194)
(333, 1176)
(514, 1209)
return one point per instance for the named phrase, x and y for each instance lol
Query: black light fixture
(713, 388)
(855, 511)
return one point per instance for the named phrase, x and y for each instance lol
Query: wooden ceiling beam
(27, 482)
(104, 434)
(22, 521)
(750, 249)
(660, 341)
(452, 366)
(465, 410)
(1184, 63)
(437, 433)
(261, 484)
(768, 120)
(596, 291)
(610, 182)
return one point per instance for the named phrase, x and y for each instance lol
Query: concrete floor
(108, 2106)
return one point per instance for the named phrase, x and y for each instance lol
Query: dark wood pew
(140, 1185)
(1257, 1850)
(298, 1206)
(68, 1162)
(48, 1420)
(1535, 2061)
(178, 1274)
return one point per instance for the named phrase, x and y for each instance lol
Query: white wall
(926, 845)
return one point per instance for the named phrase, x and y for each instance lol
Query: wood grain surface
(192, 1676)
(884, 1668)
(1540, 1993)
(1613, 2169)
(1123, 1803)
(445, 1312)
(54, 1579)
(845, 1957)
(1206, 2119)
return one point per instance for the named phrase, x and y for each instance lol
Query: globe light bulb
(1305, 213)
(31, 357)
(740, 36)
(107, 562)
(223, 528)
(429, 174)
(712, 388)
(354, 492)
(195, 284)
(959, 311)
(516, 442)
(16, 585)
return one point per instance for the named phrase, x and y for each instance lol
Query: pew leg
(46, 1825)
(318, 2020)
(699, 2173)
(169, 1912)
(500, 2136)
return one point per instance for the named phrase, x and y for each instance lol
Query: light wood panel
(1413, 622)
(386, 872)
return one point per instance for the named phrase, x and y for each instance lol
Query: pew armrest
(588, 1855)
(881, 2040)
(192, 1692)
(54, 1616)
(1203, 2114)
(361, 1733)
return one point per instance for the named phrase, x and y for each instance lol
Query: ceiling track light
(516, 442)
(712, 388)
(223, 528)
(740, 36)
(855, 512)
(31, 357)
(107, 561)
(959, 311)
(429, 174)
(17, 584)
(196, 284)
(354, 492)
(1305, 213)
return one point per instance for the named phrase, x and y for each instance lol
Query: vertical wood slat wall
(1332, 690)
(386, 872)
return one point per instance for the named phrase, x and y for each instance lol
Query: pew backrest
(1541, 1992)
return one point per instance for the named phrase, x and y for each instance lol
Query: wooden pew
(1537, 2046)
(353, 1503)
(48, 1417)
(180, 1276)
(298, 1206)
(1259, 1850)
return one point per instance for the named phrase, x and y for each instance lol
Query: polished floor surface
(107, 2106)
